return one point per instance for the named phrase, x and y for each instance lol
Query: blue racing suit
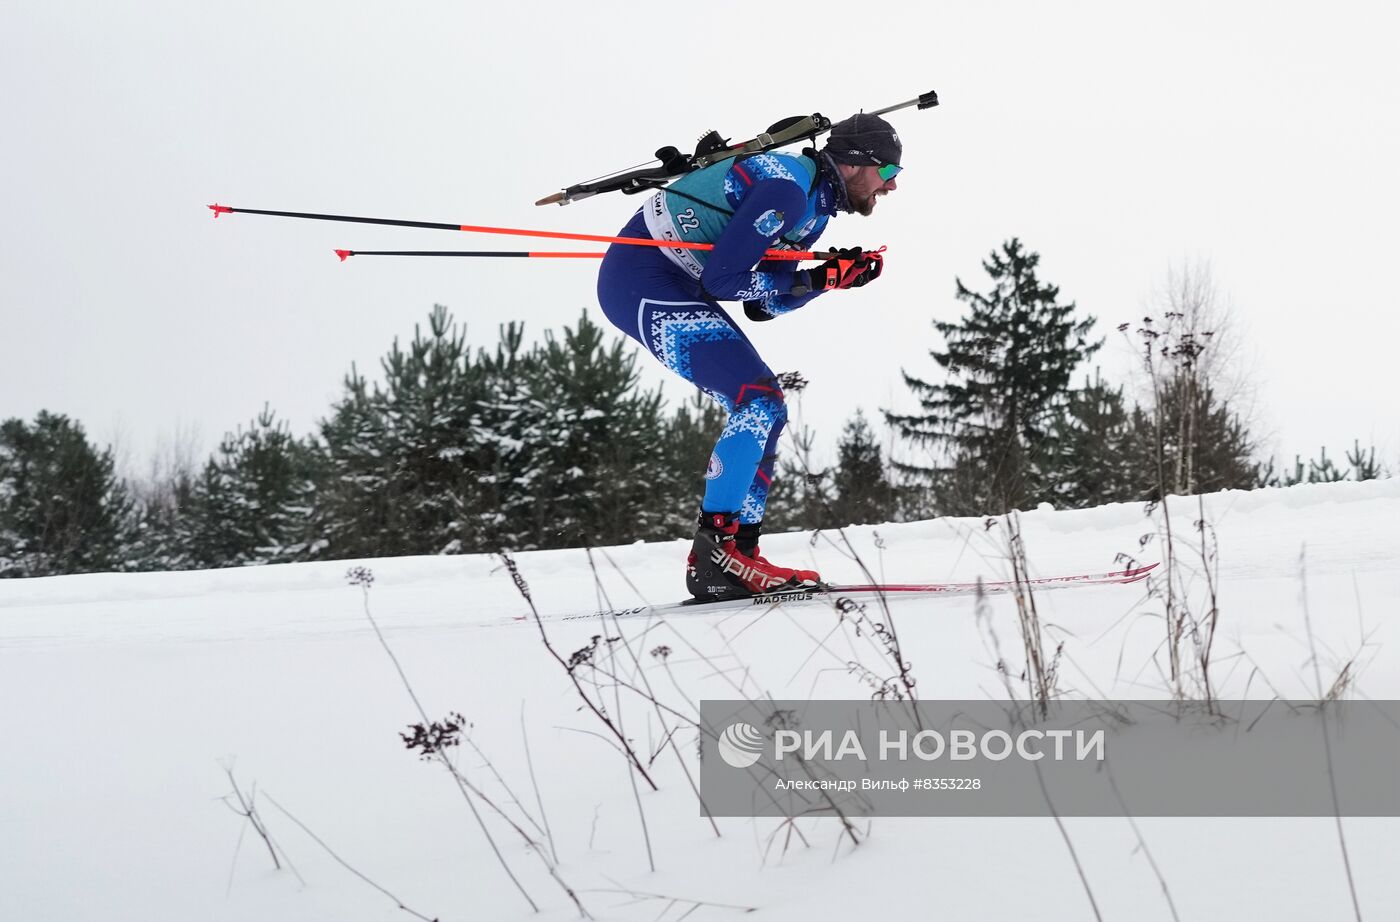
(667, 298)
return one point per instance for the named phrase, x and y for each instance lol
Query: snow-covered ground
(122, 698)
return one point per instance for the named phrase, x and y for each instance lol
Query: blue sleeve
(733, 273)
(783, 302)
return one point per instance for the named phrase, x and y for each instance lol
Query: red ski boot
(746, 538)
(718, 568)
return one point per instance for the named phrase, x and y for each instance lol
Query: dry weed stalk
(364, 579)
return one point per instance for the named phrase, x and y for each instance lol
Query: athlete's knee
(764, 389)
(760, 406)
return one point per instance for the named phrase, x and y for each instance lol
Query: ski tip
(555, 199)
(344, 254)
(220, 209)
(1138, 573)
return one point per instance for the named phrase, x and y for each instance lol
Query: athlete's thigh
(698, 341)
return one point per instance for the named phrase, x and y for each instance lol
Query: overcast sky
(1116, 139)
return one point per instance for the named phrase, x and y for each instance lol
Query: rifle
(710, 149)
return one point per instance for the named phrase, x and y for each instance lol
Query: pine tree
(1009, 363)
(1093, 462)
(400, 475)
(498, 422)
(1361, 465)
(1364, 465)
(252, 503)
(351, 502)
(159, 510)
(1185, 439)
(1189, 443)
(864, 494)
(552, 445)
(62, 508)
(591, 445)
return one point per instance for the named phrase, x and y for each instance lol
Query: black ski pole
(527, 254)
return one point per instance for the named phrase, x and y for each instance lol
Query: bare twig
(650, 695)
(360, 576)
(248, 809)
(642, 817)
(1326, 740)
(780, 719)
(505, 786)
(233, 864)
(983, 614)
(345, 864)
(1040, 673)
(887, 631)
(524, 590)
(1210, 563)
(671, 901)
(534, 782)
(617, 710)
(664, 653)
(593, 830)
(790, 825)
(1064, 834)
(1142, 843)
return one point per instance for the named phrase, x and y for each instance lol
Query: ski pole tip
(344, 254)
(220, 209)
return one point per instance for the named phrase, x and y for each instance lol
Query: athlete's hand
(850, 268)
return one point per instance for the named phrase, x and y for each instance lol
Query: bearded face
(864, 187)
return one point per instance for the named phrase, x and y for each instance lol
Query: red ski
(831, 595)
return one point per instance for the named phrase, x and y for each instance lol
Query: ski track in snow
(120, 694)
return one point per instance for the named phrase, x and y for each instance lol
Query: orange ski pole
(512, 231)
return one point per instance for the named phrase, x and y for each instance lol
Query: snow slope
(122, 697)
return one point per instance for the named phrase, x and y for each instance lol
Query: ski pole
(514, 231)
(531, 254)
(534, 254)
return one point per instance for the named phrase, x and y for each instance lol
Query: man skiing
(667, 299)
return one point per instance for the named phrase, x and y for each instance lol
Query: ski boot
(718, 567)
(746, 540)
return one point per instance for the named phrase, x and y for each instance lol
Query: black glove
(849, 268)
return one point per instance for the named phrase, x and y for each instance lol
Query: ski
(832, 595)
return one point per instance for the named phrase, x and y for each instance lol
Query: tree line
(1017, 418)
(557, 444)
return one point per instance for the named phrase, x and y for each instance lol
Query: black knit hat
(864, 140)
